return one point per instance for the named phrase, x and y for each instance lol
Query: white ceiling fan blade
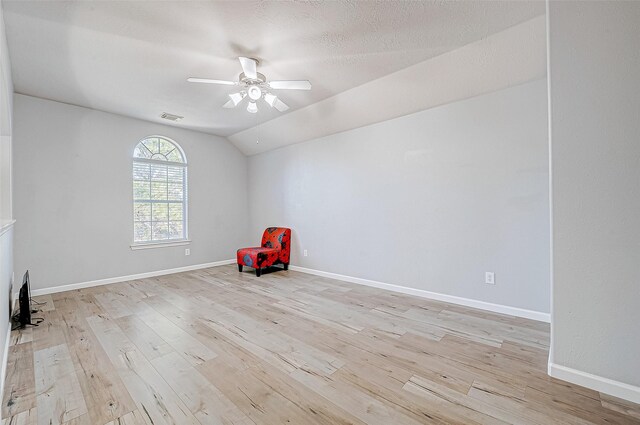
(249, 67)
(280, 105)
(209, 81)
(270, 99)
(290, 85)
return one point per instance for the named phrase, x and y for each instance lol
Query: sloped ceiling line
(511, 57)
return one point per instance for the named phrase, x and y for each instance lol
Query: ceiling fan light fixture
(270, 99)
(252, 107)
(254, 92)
(236, 98)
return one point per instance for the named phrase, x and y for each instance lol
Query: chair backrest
(279, 238)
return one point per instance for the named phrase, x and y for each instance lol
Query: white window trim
(160, 244)
(169, 242)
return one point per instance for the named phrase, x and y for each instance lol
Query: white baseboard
(467, 302)
(598, 383)
(73, 286)
(5, 358)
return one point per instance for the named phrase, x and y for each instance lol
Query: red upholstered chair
(275, 249)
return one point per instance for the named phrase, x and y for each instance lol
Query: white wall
(73, 195)
(595, 137)
(6, 230)
(430, 200)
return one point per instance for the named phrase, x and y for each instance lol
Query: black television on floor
(24, 302)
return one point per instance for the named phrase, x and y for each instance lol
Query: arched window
(159, 191)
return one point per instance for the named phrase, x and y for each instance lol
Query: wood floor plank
(280, 350)
(362, 405)
(190, 348)
(621, 406)
(573, 406)
(84, 301)
(295, 351)
(389, 389)
(145, 339)
(28, 417)
(114, 304)
(58, 392)
(190, 322)
(133, 418)
(104, 393)
(128, 291)
(48, 333)
(20, 387)
(21, 335)
(43, 303)
(434, 392)
(81, 420)
(267, 399)
(205, 401)
(152, 395)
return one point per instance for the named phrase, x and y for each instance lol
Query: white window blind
(159, 191)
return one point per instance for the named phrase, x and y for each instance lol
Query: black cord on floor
(15, 319)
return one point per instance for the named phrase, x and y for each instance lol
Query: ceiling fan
(255, 86)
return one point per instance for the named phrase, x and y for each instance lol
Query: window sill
(151, 245)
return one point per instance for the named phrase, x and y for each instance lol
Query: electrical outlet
(490, 278)
(187, 251)
(304, 253)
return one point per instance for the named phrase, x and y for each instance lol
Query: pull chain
(257, 130)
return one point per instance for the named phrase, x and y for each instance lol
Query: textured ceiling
(133, 57)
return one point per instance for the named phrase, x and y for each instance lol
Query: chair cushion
(278, 237)
(257, 257)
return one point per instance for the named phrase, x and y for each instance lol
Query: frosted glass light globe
(254, 92)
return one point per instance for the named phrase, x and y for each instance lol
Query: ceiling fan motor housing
(254, 92)
(246, 80)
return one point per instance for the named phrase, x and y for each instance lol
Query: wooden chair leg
(239, 267)
(286, 266)
(258, 272)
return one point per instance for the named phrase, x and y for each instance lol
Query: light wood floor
(218, 347)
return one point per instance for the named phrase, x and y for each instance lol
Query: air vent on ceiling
(170, 117)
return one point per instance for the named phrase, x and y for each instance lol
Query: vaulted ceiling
(133, 57)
